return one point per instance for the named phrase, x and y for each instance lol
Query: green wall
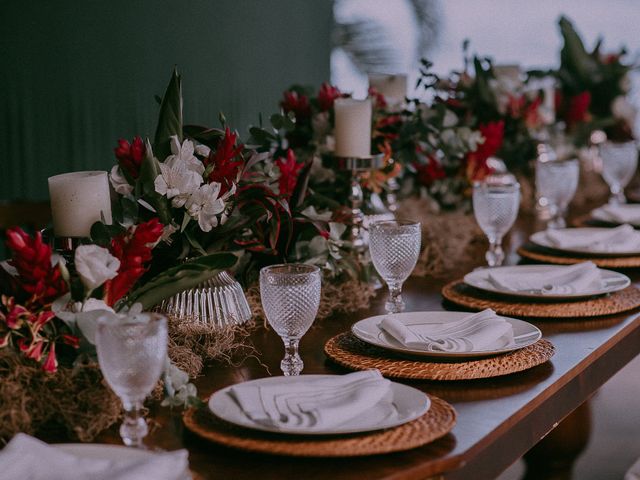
(77, 75)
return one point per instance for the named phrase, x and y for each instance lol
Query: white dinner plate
(115, 453)
(368, 331)
(611, 282)
(540, 238)
(603, 216)
(410, 403)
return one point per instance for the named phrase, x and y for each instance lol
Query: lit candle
(78, 200)
(393, 87)
(353, 127)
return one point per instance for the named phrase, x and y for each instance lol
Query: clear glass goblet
(132, 356)
(556, 184)
(619, 163)
(290, 297)
(495, 206)
(394, 247)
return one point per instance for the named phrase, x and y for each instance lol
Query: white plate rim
(219, 399)
(601, 215)
(539, 239)
(492, 289)
(398, 348)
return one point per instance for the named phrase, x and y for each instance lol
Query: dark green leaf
(170, 117)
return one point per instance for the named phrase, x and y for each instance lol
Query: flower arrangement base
(75, 400)
(217, 302)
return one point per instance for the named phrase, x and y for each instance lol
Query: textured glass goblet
(619, 163)
(132, 354)
(557, 182)
(394, 247)
(495, 207)
(290, 297)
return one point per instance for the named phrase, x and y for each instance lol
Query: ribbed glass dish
(219, 302)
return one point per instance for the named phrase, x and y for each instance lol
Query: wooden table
(499, 420)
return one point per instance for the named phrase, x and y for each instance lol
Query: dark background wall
(77, 75)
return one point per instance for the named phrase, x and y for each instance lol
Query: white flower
(95, 265)
(183, 154)
(203, 150)
(119, 182)
(205, 204)
(83, 316)
(177, 182)
(622, 109)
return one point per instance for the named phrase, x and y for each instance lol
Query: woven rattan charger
(545, 255)
(350, 352)
(463, 295)
(436, 423)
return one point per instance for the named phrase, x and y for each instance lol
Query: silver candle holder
(358, 167)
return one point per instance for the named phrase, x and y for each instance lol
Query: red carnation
(327, 96)
(296, 103)
(32, 259)
(289, 170)
(224, 159)
(130, 155)
(493, 133)
(133, 249)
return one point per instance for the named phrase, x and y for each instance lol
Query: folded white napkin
(481, 331)
(28, 458)
(555, 280)
(620, 239)
(624, 213)
(308, 403)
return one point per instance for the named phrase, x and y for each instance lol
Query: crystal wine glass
(394, 247)
(556, 183)
(290, 297)
(495, 206)
(132, 355)
(619, 163)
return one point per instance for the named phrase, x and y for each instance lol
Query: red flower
(130, 155)
(289, 170)
(31, 350)
(532, 117)
(16, 315)
(70, 340)
(578, 109)
(225, 166)
(493, 133)
(327, 96)
(379, 102)
(429, 172)
(32, 259)
(133, 249)
(51, 363)
(296, 103)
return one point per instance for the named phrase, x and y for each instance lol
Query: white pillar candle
(353, 127)
(78, 200)
(393, 87)
(549, 102)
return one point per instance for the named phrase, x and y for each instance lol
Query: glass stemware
(394, 247)
(619, 163)
(495, 206)
(556, 184)
(290, 297)
(132, 356)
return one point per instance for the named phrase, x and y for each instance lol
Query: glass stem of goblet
(134, 427)
(617, 195)
(395, 303)
(291, 364)
(495, 254)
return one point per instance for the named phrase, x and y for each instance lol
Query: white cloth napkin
(619, 213)
(30, 459)
(481, 331)
(307, 403)
(620, 239)
(556, 280)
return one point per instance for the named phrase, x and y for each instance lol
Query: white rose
(95, 265)
(119, 182)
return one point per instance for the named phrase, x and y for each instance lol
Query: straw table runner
(436, 423)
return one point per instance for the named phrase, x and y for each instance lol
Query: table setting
(141, 300)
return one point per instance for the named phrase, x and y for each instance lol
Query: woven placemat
(350, 352)
(466, 296)
(537, 254)
(437, 422)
